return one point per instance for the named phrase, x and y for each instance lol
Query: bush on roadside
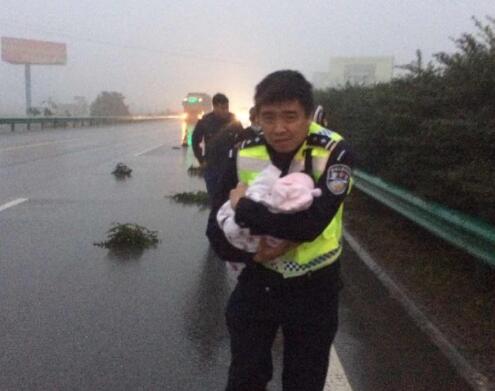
(431, 131)
(129, 236)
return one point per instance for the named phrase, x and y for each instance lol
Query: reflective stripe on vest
(326, 248)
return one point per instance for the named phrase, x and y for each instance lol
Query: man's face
(285, 125)
(221, 110)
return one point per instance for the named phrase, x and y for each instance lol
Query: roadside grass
(121, 171)
(129, 237)
(199, 198)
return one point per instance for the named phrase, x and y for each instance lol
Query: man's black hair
(219, 99)
(283, 86)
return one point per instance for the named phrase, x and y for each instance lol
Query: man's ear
(309, 119)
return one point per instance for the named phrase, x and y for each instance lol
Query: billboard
(28, 51)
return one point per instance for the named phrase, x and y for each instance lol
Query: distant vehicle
(195, 105)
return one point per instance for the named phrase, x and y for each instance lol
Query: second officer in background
(211, 130)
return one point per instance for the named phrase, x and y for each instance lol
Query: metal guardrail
(76, 121)
(470, 234)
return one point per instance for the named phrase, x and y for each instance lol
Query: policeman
(294, 285)
(254, 128)
(320, 117)
(216, 130)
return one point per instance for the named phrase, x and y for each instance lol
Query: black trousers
(306, 308)
(212, 178)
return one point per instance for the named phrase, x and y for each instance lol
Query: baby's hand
(237, 193)
(316, 192)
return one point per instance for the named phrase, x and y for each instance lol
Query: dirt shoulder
(455, 291)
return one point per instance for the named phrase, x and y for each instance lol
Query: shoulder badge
(321, 140)
(325, 132)
(253, 141)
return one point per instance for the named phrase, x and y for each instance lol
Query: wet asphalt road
(74, 317)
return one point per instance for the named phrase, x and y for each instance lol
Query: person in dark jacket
(217, 131)
(254, 128)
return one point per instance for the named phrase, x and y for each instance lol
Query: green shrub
(431, 131)
(191, 198)
(129, 236)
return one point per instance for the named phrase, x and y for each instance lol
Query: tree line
(432, 130)
(109, 103)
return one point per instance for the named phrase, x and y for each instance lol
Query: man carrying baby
(292, 284)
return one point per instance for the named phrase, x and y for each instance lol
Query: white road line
(37, 145)
(12, 203)
(336, 378)
(477, 380)
(28, 146)
(149, 150)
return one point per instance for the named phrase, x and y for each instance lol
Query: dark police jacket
(218, 135)
(261, 221)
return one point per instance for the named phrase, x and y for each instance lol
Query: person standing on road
(214, 130)
(254, 128)
(320, 116)
(294, 285)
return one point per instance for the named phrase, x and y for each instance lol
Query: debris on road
(129, 236)
(122, 171)
(195, 171)
(191, 198)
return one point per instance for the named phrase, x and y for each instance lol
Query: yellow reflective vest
(253, 157)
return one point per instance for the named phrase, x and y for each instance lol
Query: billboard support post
(27, 73)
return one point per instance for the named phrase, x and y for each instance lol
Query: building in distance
(355, 71)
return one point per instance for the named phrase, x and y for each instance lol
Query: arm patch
(338, 178)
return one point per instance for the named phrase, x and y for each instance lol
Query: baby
(289, 194)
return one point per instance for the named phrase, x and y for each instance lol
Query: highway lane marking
(28, 146)
(336, 378)
(41, 144)
(148, 150)
(476, 379)
(37, 145)
(13, 148)
(12, 203)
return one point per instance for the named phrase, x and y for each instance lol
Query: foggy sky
(154, 52)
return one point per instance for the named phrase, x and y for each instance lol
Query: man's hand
(267, 252)
(237, 193)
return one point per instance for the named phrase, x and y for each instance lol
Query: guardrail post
(12, 126)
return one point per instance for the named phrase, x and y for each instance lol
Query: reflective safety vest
(253, 157)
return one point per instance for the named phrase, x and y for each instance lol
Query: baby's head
(293, 192)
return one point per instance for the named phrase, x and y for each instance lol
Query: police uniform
(219, 134)
(299, 290)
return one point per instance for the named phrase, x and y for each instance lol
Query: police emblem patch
(338, 177)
